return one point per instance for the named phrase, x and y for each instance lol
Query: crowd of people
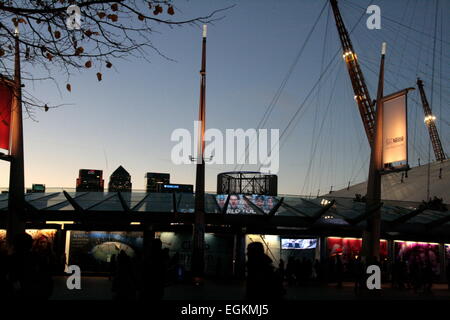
(416, 274)
(144, 277)
(28, 273)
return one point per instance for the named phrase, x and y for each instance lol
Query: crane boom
(362, 97)
(430, 123)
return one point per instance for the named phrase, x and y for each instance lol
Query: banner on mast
(395, 129)
(6, 97)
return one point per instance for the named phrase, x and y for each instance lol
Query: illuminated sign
(395, 129)
(172, 186)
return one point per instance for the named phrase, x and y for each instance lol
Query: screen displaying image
(298, 244)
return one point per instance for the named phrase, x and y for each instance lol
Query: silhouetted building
(90, 180)
(188, 188)
(155, 179)
(120, 180)
(36, 188)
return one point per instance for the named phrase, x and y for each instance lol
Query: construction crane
(430, 123)
(362, 97)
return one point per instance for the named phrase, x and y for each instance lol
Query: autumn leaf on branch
(108, 30)
(79, 51)
(113, 17)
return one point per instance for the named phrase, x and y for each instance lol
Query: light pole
(371, 236)
(16, 198)
(198, 239)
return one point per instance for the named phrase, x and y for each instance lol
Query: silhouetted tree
(51, 35)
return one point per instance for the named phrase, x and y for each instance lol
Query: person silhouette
(262, 282)
(124, 284)
(155, 272)
(28, 273)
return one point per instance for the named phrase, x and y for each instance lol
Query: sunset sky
(127, 119)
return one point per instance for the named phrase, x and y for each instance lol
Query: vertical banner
(6, 95)
(395, 128)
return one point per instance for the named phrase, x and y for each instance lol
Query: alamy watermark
(236, 146)
(73, 21)
(374, 21)
(74, 280)
(374, 280)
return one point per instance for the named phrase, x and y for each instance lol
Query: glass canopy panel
(156, 202)
(331, 219)
(349, 209)
(287, 212)
(60, 202)
(428, 216)
(186, 202)
(211, 205)
(390, 213)
(133, 199)
(92, 199)
(110, 204)
(34, 196)
(48, 200)
(307, 207)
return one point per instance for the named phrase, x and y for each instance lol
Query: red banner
(6, 96)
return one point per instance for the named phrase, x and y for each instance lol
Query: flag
(6, 96)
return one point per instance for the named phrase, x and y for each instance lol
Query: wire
(386, 17)
(278, 93)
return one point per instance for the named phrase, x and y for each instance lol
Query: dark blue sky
(127, 119)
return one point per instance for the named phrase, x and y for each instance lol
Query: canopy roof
(413, 187)
(332, 216)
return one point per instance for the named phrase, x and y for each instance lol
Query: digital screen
(240, 205)
(301, 244)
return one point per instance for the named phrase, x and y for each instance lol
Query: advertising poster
(419, 253)
(3, 247)
(271, 243)
(218, 251)
(93, 251)
(350, 248)
(6, 94)
(238, 205)
(43, 240)
(395, 130)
